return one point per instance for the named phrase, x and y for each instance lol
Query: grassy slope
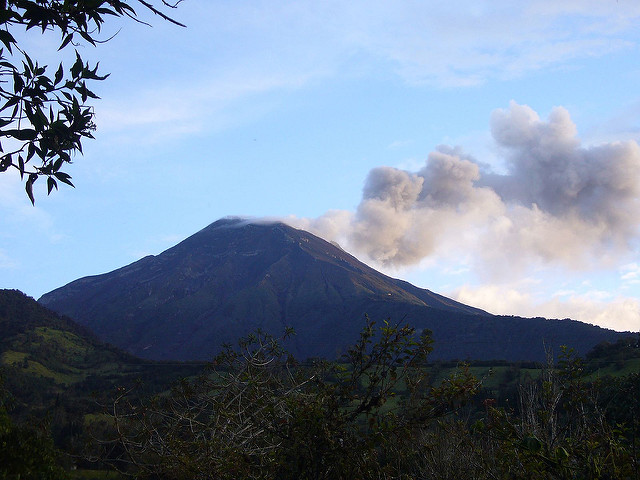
(48, 361)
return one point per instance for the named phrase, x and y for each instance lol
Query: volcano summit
(236, 276)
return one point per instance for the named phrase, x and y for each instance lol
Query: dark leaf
(18, 82)
(31, 151)
(77, 66)
(7, 39)
(59, 74)
(82, 90)
(90, 94)
(29, 62)
(51, 184)
(5, 163)
(12, 101)
(66, 41)
(93, 74)
(87, 37)
(25, 134)
(58, 163)
(29, 187)
(64, 178)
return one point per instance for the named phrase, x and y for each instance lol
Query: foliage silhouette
(45, 115)
(26, 451)
(257, 413)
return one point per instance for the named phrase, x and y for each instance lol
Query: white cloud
(470, 42)
(630, 274)
(595, 307)
(496, 299)
(399, 144)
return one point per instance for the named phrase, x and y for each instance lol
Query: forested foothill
(73, 407)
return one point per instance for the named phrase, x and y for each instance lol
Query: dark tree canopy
(45, 113)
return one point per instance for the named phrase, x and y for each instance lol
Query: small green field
(628, 367)
(74, 347)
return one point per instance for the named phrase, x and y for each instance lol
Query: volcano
(237, 276)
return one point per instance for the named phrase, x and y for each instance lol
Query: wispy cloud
(595, 307)
(256, 48)
(7, 262)
(399, 144)
(433, 43)
(171, 112)
(630, 274)
(17, 213)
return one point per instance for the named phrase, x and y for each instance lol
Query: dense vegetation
(382, 411)
(257, 414)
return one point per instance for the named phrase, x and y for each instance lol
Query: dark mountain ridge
(236, 276)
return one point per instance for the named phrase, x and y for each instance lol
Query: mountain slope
(43, 343)
(235, 276)
(46, 359)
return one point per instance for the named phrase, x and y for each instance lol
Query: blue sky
(484, 150)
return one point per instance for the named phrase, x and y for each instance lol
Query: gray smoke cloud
(548, 168)
(558, 201)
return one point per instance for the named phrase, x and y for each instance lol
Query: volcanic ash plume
(557, 202)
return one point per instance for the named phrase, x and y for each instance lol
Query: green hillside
(54, 371)
(44, 354)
